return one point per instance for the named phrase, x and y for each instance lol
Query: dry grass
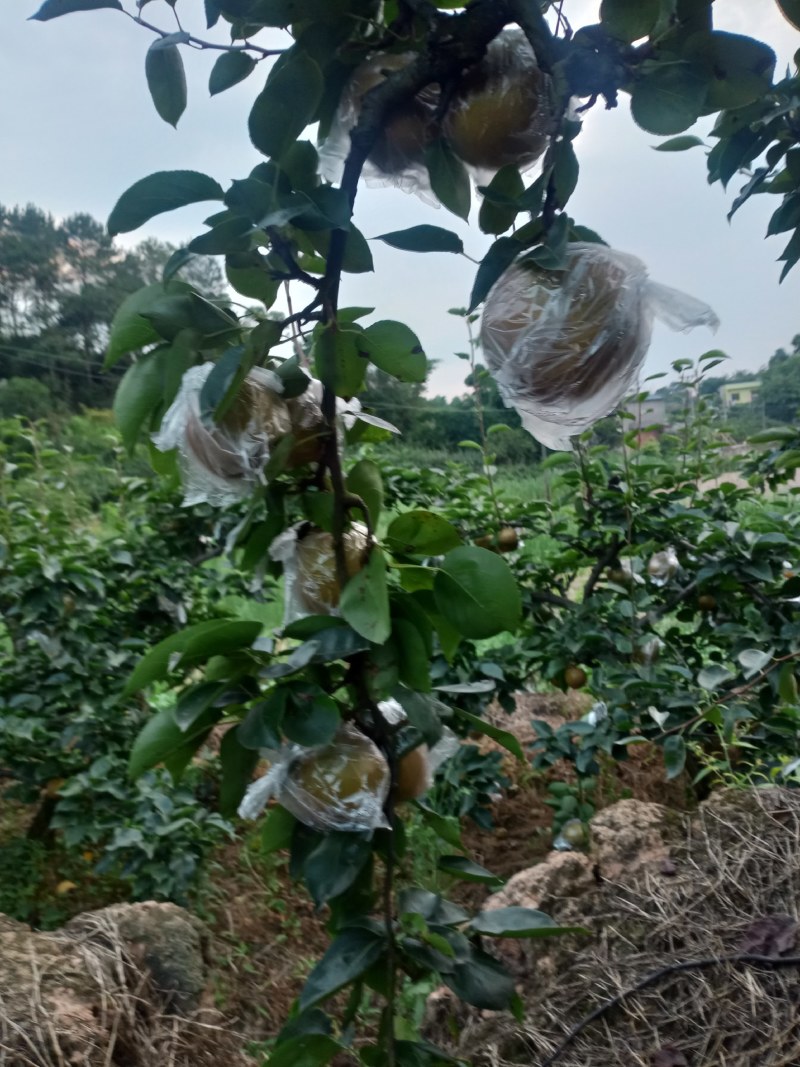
(738, 862)
(86, 1002)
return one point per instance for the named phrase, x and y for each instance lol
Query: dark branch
(607, 557)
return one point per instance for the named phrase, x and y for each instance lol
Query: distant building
(650, 414)
(738, 394)
(650, 418)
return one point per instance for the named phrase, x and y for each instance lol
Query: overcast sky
(77, 127)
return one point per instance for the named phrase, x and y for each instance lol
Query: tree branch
(198, 43)
(603, 561)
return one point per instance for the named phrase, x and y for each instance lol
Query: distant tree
(25, 397)
(780, 384)
(203, 272)
(60, 285)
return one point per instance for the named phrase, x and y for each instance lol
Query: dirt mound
(119, 987)
(673, 903)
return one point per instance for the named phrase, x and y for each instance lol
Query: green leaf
(499, 257)
(629, 20)
(482, 981)
(52, 9)
(476, 592)
(304, 1050)
(778, 434)
(261, 727)
(217, 394)
(357, 253)
(674, 755)
(449, 178)
(738, 69)
(680, 143)
(193, 702)
(754, 660)
(335, 864)
(509, 741)
(170, 315)
(395, 349)
(163, 191)
(447, 827)
(365, 600)
(216, 636)
(230, 69)
(499, 210)
(433, 907)
(161, 737)
(277, 831)
(424, 238)
(247, 273)
(787, 684)
(311, 716)
(790, 9)
(166, 78)
(713, 677)
(237, 764)
(669, 97)
(232, 235)
(364, 479)
(287, 103)
(414, 656)
(352, 953)
(464, 868)
(519, 922)
(339, 359)
(421, 533)
(129, 330)
(565, 171)
(139, 392)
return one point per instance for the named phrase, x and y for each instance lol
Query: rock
(561, 875)
(108, 990)
(164, 939)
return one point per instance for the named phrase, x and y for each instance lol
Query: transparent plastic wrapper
(220, 464)
(565, 347)
(398, 156)
(649, 651)
(339, 786)
(596, 714)
(343, 785)
(663, 566)
(503, 111)
(309, 568)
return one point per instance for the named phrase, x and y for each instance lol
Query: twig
(198, 43)
(602, 562)
(740, 690)
(551, 598)
(674, 968)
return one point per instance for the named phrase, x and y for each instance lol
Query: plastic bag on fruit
(503, 110)
(398, 156)
(663, 566)
(339, 786)
(310, 583)
(565, 347)
(221, 463)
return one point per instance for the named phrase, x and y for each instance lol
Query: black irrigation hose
(674, 968)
